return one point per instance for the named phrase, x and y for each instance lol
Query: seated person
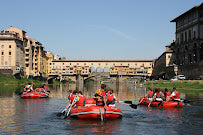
(28, 87)
(100, 96)
(150, 94)
(175, 95)
(111, 98)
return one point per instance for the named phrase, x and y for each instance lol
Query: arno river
(38, 116)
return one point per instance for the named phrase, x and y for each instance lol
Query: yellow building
(19, 52)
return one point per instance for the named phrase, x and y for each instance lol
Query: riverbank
(194, 85)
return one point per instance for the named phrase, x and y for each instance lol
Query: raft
(92, 111)
(164, 104)
(36, 94)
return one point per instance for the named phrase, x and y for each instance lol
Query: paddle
(134, 106)
(105, 119)
(74, 101)
(62, 112)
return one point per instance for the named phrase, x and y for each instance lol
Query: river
(38, 116)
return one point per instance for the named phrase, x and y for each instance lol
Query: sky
(97, 29)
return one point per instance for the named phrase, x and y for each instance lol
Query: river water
(38, 116)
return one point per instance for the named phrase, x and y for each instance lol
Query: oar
(101, 114)
(63, 112)
(68, 112)
(134, 106)
(105, 119)
(74, 101)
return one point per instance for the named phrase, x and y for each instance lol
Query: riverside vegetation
(182, 85)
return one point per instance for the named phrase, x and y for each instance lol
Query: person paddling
(158, 96)
(150, 94)
(100, 96)
(175, 95)
(80, 100)
(70, 100)
(166, 93)
(28, 87)
(111, 98)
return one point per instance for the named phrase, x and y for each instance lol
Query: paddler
(70, 100)
(28, 87)
(175, 95)
(100, 96)
(80, 100)
(111, 98)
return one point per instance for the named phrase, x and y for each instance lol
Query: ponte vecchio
(67, 68)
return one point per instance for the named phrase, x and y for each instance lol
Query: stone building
(188, 48)
(164, 64)
(21, 53)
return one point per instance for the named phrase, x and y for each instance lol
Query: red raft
(36, 94)
(92, 111)
(164, 104)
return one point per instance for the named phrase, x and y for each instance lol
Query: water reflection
(95, 126)
(38, 116)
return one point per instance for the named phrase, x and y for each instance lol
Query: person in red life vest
(80, 100)
(175, 95)
(70, 100)
(166, 93)
(100, 96)
(150, 93)
(158, 95)
(111, 98)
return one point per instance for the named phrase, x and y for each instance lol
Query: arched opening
(92, 70)
(99, 69)
(107, 69)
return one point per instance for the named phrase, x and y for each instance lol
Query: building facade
(164, 64)
(21, 53)
(188, 48)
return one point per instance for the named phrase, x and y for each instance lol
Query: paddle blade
(128, 102)
(134, 106)
(60, 114)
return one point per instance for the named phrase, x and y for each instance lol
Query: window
(194, 36)
(9, 46)
(9, 53)
(2, 46)
(186, 36)
(2, 53)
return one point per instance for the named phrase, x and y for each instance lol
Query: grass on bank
(180, 84)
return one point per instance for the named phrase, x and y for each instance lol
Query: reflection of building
(163, 65)
(189, 42)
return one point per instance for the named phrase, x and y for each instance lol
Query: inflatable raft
(164, 104)
(36, 94)
(92, 111)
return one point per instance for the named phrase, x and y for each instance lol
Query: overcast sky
(97, 29)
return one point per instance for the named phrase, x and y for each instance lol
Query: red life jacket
(150, 93)
(110, 97)
(158, 94)
(177, 96)
(81, 101)
(71, 97)
(168, 94)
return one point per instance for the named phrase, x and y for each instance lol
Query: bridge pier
(79, 82)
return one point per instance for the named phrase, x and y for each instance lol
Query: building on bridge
(113, 67)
